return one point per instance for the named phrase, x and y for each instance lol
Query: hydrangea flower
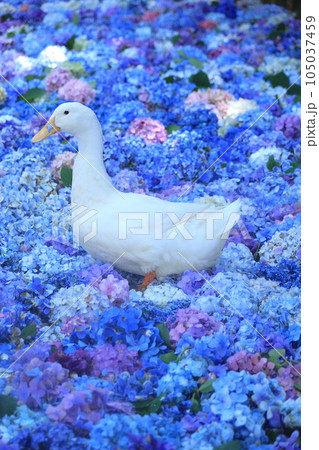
(109, 359)
(57, 78)
(77, 91)
(152, 131)
(65, 159)
(252, 363)
(39, 381)
(289, 125)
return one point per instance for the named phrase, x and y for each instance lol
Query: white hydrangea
(283, 244)
(261, 157)
(52, 333)
(237, 107)
(274, 64)
(6, 8)
(52, 56)
(161, 294)
(77, 300)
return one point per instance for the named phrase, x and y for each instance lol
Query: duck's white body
(138, 233)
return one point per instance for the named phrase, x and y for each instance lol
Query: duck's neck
(89, 172)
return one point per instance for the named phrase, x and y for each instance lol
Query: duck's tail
(231, 217)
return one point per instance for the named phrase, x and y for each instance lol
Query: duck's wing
(181, 216)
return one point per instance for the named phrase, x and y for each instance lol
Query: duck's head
(72, 118)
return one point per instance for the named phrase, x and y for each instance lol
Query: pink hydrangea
(207, 24)
(109, 359)
(212, 99)
(253, 363)
(116, 290)
(64, 159)
(150, 16)
(151, 130)
(57, 78)
(193, 321)
(77, 91)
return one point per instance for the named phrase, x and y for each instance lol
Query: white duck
(136, 233)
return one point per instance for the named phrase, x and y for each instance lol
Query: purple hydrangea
(289, 125)
(251, 362)
(289, 378)
(193, 321)
(108, 359)
(38, 381)
(83, 409)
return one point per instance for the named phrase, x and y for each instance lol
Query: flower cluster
(193, 321)
(152, 131)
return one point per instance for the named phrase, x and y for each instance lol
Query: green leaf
(76, 68)
(148, 406)
(29, 331)
(195, 403)
(280, 79)
(11, 34)
(233, 445)
(75, 19)
(5, 17)
(175, 38)
(92, 84)
(200, 79)
(168, 357)
(294, 166)
(298, 387)
(182, 54)
(32, 94)
(70, 42)
(164, 333)
(171, 79)
(274, 355)
(172, 128)
(278, 31)
(297, 99)
(207, 387)
(33, 77)
(8, 405)
(66, 176)
(272, 163)
(196, 62)
(295, 90)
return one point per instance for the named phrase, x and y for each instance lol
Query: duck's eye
(66, 112)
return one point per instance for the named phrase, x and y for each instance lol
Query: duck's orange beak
(44, 132)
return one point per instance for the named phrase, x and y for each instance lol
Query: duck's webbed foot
(149, 277)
